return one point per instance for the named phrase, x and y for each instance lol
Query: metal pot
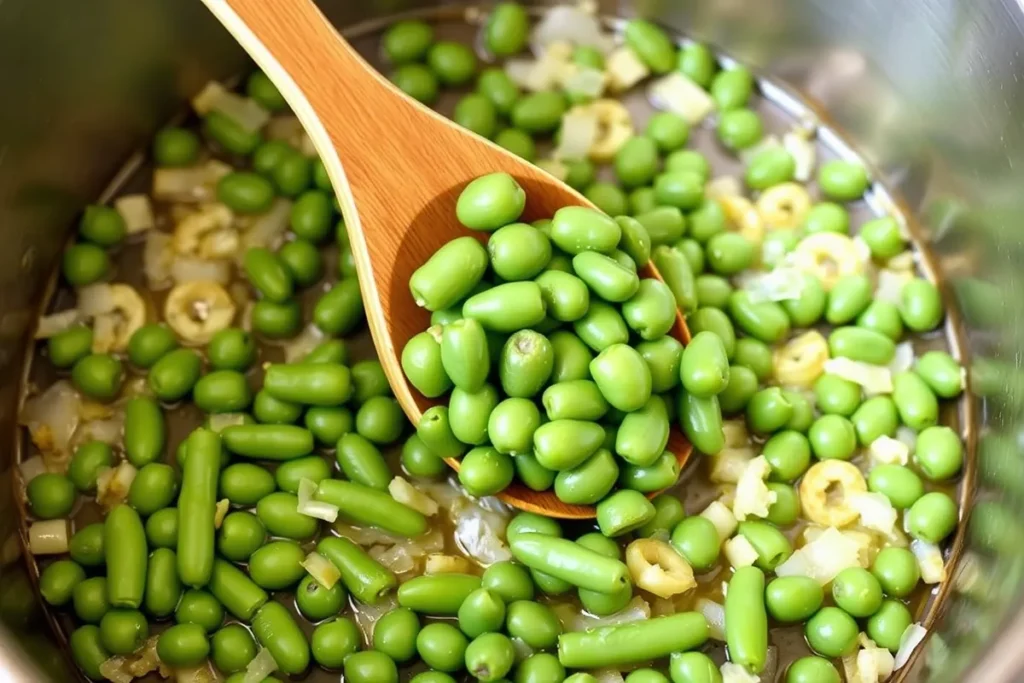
(927, 90)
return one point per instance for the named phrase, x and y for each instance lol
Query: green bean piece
(275, 629)
(363, 576)
(124, 542)
(197, 508)
(746, 633)
(634, 642)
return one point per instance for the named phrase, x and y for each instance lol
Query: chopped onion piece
(584, 82)
(219, 421)
(112, 484)
(781, 284)
(737, 673)
(188, 269)
(157, 257)
(929, 561)
(192, 184)
(439, 563)
(299, 347)
(678, 94)
(203, 673)
(735, 433)
(729, 464)
(875, 379)
(31, 468)
(607, 676)
(49, 537)
(367, 615)
(753, 497)
(526, 74)
(322, 570)
(889, 287)
(636, 609)
(907, 436)
(285, 127)
(580, 128)
(909, 641)
(364, 536)
(823, 557)
(260, 667)
(714, 613)
(269, 228)
(723, 186)
(573, 25)
(625, 70)
(108, 431)
(803, 152)
(886, 450)
(522, 649)
(555, 168)
(220, 511)
(52, 417)
(137, 212)
(479, 533)
(764, 144)
(903, 360)
(739, 552)
(245, 112)
(55, 323)
(114, 669)
(398, 558)
(723, 519)
(404, 492)
(314, 508)
(95, 300)
(876, 512)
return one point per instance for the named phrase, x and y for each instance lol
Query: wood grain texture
(404, 167)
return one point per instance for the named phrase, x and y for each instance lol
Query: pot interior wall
(927, 90)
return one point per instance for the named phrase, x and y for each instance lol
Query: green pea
(741, 388)
(588, 482)
(622, 376)
(69, 346)
(155, 487)
(833, 436)
(883, 317)
(89, 599)
(701, 419)
(755, 355)
(278, 514)
(172, 147)
(663, 357)
(518, 251)
(704, 368)
(765, 321)
(483, 611)
(812, 670)
(862, 345)
(232, 648)
(245, 483)
(268, 155)
(810, 307)
(850, 296)
(917, 405)
(772, 546)
(681, 189)
(149, 344)
(827, 217)
(260, 88)
(941, 373)
(87, 461)
(240, 535)
(441, 646)
(312, 216)
(728, 253)
(939, 453)
(230, 135)
(122, 631)
(887, 626)
(623, 511)
(277, 565)
(162, 528)
(201, 608)
(172, 377)
(932, 517)
(875, 417)
(793, 599)
(476, 113)
(454, 63)
(739, 129)
(420, 461)
(231, 349)
(608, 198)
(717, 322)
(316, 602)
(697, 63)
(293, 175)
(98, 376)
(636, 162)
(58, 580)
(485, 472)
(897, 571)
(86, 545)
(334, 641)
(897, 483)
(768, 411)
(517, 142)
(642, 200)
(537, 668)
(832, 632)
(534, 623)
(883, 236)
(499, 89)
(407, 41)
(921, 305)
(835, 395)
(777, 245)
(789, 454)
(651, 44)
(731, 89)
(416, 81)
(843, 181)
(857, 592)
(786, 508)
(245, 192)
(768, 167)
(88, 651)
(50, 495)
(668, 131)
(85, 264)
(276, 321)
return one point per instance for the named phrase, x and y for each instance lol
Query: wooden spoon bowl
(405, 166)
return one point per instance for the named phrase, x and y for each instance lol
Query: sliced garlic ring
(828, 256)
(743, 217)
(657, 568)
(824, 491)
(190, 232)
(614, 128)
(802, 360)
(784, 207)
(113, 330)
(198, 310)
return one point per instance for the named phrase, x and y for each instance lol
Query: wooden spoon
(405, 166)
